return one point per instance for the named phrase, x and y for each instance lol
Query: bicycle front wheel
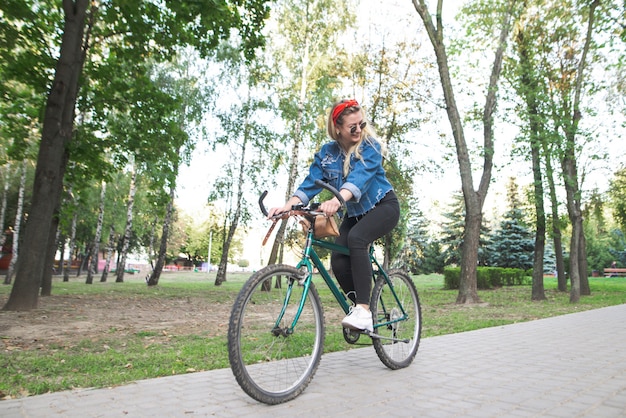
(273, 360)
(398, 318)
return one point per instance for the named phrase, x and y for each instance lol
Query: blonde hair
(367, 133)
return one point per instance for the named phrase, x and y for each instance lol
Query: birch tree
(309, 63)
(395, 83)
(6, 175)
(181, 124)
(109, 254)
(126, 237)
(17, 225)
(251, 153)
(93, 263)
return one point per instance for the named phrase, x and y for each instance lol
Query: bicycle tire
(273, 365)
(396, 354)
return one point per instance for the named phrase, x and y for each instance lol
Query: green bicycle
(276, 327)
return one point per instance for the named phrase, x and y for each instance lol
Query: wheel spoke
(272, 361)
(397, 319)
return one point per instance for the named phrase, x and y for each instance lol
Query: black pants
(354, 272)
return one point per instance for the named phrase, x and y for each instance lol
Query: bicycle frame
(310, 259)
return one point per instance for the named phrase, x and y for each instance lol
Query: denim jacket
(366, 179)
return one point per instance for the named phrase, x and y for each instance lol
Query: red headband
(341, 107)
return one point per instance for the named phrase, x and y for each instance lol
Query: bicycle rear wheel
(272, 361)
(397, 316)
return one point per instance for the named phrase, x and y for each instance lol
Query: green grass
(118, 358)
(107, 363)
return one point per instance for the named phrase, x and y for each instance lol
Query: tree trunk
(474, 199)
(570, 175)
(16, 225)
(121, 265)
(53, 236)
(66, 273)
(570, 170)
(556, 222)
(109, 256)
(574, 266)
(278, 246)
(291, 180)
(528, 83)
(468, 286)
(61, 256)
(84, 260)
(3, 206)
(221, 271)
(295, 152)
(152, 255)
(538, 291)
(53, 239)
(220, 277)
(56, 134)
(153, 280)
(387, 239)
(93, 265)
(585, 290)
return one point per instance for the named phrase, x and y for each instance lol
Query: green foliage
(488, 277)
(604, 239)
(453, 230)
(617, 193)
(191, 237)
(512, 245)
(413, 255)
(434, 261)
(411, 222)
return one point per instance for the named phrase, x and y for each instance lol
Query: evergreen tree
(413, 253)
(452, 235)
(513, 244)
(452, 231)
(434, 261)
(549, 259)
(605, 241)
(617, 197)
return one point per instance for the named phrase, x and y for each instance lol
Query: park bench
(614, 272)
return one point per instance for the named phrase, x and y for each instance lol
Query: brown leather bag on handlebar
(325, 227)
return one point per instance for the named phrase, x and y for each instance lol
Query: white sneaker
(359, 318)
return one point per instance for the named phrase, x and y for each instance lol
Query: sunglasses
(361, 125)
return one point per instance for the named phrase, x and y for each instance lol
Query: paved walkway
(568, 366)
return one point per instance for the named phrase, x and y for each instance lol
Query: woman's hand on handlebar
(330, 207)
(276, 212)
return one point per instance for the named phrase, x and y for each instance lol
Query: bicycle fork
(287, 331)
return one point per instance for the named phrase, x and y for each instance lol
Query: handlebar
(319, 183)
(261, 198)
(331, 189)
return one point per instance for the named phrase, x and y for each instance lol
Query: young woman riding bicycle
(352, 164)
